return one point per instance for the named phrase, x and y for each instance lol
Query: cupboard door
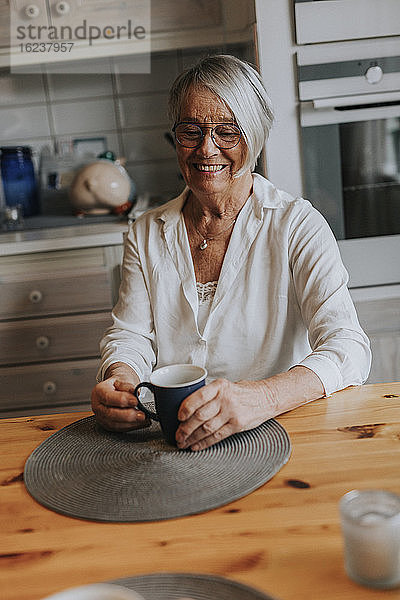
(385, 357)
(48, 385)
(166, 15)
(336, 20)
(4, 23)
(36, 295)
(380, 319)
(39, 340)
(175, 15)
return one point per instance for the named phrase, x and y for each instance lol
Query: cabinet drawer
(47, 385)
(41, 294)
(58, 338)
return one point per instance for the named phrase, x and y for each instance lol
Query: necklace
(204, 243)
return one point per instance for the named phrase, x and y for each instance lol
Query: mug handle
(146, 411)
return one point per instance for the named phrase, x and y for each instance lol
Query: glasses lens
(226, 136)
(188, 134)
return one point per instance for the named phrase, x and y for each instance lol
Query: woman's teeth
(212, 168)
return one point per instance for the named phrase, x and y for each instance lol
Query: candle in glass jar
(371, 529)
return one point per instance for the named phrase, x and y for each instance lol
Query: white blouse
(281, 299)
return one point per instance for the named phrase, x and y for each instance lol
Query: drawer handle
(35, 296)
(49, 387)
(42, 342)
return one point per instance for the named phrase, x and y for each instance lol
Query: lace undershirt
(205, 294)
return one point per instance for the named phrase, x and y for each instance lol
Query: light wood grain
(283, 539)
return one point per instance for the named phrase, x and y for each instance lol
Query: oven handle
(361, 99)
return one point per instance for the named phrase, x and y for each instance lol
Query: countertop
(64, 233)
(284, 538)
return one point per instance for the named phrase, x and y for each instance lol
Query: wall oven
(332, 69)
(350, 145)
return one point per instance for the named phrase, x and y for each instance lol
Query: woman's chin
(210, 184)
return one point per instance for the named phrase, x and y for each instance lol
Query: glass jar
(18, 176)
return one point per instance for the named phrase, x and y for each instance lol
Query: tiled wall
(128, 109)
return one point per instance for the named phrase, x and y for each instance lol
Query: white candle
(371, 529)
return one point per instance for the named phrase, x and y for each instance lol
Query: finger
(217, 436)
(201, 417)
(198, 398)
(121, 426)
(120, 417)
(121, 414)
(205, 429)
(119, 400)
(124, 386)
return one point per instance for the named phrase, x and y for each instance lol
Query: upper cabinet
(4, 23)
(50, 31)
(337, 20)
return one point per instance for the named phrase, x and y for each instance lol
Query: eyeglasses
(191, 135)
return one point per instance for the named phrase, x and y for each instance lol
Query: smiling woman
(207, 167)
(232, 275)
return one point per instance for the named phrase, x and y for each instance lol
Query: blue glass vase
(18, 177)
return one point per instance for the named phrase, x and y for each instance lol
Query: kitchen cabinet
(55, 307)
(332, 20)
(174, 24)
(4, 23)
(378, 310)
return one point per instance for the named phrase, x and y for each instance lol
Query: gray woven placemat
(188, 586)
(86, 472)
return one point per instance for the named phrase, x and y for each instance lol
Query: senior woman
(233, 274)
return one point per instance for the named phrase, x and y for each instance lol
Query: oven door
(351, 168)
(351, 160)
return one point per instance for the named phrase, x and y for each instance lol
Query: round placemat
(188, 586)
(86, 472)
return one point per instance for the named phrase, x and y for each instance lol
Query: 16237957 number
(46, 47)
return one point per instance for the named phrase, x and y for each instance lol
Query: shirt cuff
(327, 371)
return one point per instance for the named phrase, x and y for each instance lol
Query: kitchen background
(58, 284)
(129, 110)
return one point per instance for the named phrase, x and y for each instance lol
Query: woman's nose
(207, 146)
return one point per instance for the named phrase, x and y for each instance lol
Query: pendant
(203, 245)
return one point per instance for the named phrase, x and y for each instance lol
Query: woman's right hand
(114, 403)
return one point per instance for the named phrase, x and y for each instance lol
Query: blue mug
(170, 386)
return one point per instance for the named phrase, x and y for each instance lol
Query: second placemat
(86, 472)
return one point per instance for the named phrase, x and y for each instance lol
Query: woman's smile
(208, 168)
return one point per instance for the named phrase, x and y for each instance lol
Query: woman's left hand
(220, 409)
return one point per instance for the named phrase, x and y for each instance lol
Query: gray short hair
(240, 87)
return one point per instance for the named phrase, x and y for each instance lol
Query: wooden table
(284, 538)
